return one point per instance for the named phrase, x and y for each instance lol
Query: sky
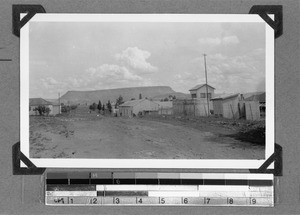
(66, 56)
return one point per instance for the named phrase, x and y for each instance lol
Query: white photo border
(146, 163)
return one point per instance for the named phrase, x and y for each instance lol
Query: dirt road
(115, 137)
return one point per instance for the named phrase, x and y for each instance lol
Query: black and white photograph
(147, 87)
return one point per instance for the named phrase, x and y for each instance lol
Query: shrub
(43, 110)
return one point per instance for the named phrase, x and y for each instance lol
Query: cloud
(112, 72)
(136, 59)
(49, 82)
(240, 73)
(106, 76)
(210, 41)
(228, 40)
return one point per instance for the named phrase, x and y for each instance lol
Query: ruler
(159, 189)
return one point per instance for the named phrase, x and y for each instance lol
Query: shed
(227, 106)
(135, 107)
(261, 99)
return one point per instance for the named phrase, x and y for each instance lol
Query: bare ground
(92, 136)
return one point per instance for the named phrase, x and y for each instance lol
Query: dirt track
(115, 137)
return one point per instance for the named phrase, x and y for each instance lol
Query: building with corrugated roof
(138, 107)
(227, 106)
(34, 103)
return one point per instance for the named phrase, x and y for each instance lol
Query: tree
(119, 101)
(103, 107)
(140, 96)
(73, 107)
(99, 107)
(132, 99)
(109, 107)
(166, 99)
(42, 110)
(93, 106)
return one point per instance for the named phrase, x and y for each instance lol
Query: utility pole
(59, 103)
(208, 112)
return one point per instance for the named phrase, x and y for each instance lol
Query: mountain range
(153, 92)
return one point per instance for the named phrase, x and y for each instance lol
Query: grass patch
(254, 132)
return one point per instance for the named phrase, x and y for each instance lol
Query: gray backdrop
(24, 194)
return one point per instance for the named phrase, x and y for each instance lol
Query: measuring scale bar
(255, 192)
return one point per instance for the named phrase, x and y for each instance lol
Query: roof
(38, 101)
(53, 101)
(224, 97)
(259, 97)
(132, 103)
(199, 86)
(167, 104)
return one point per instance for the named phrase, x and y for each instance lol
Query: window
(194, 96)
(203, 95)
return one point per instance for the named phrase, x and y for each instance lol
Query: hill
(176, 94)
(75, 97)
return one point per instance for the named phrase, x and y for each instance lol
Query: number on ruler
(59, 200)
(94, 175)
(252, 201)
(71, 200)
(162, 200)
(185, 201)
(206, 200)
(139, 200)
(117, 201)
(93, 201)
(230, 201)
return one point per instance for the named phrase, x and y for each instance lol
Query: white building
(135, 107)
(35, 102)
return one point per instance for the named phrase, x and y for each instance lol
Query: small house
(202, 92)
(136, 107)
(199, 91)
(54, 107)
(227, 106)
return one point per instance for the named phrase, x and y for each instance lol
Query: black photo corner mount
(264, 10)
(276, 157)
(277, 25)
(30, 11)
(17, 157)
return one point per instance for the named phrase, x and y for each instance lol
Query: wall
(203, 90)
(252, 110)
(125, 111)
(190, 107)
(165, 111)
(218, 107)
(145, 105)
(55, 109)
(230, 108)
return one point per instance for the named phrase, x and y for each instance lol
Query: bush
(93, 107)
(254, 132)
(43, 110)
